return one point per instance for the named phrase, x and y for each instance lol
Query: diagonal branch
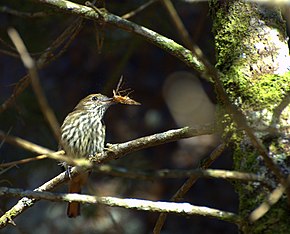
(164, 43)
(180, 193)
(53, 51)
(30, 64)
(194, 59)
(115, 151)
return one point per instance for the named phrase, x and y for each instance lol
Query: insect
(117, 96)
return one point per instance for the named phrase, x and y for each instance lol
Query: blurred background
(171, 95)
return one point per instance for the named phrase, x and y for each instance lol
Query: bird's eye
(94, 98)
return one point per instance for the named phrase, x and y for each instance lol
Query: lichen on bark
(253, 57)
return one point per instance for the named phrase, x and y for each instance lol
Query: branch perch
(115, 151)
(138, 204)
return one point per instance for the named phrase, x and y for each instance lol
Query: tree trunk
(253, 56)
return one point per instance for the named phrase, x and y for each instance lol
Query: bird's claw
(109, 147)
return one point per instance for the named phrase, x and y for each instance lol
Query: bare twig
(266, 205)
(129, 203)
(187, 185)
(115, 151)
(25, 203)
(29, 63)
(179, 26)
(138, 10)
(165, 43)
(45, 58)
(3, 171)
(195, 60)
(9, 53)
(170, 173)
(10, 11)
(279, 109)
(23, 161)
(272, 199)
(47, 153)
(24, 144)
(64, 40)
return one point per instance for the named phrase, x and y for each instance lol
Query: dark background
(84, 69)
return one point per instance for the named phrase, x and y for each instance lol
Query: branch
(115, 151)
(46, 153)
(271, 200)
(164, 43)
(30, 64)
(180, 193)
(170, 173)
(25, 203)
(139, 9)
(7, 10)
(279, 109)
(129, 203)
(53, 51)
(195, 60)
(177, 23)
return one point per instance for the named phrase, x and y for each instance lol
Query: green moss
(249, 80)
(231, 31)
(259, 92)
(248, 57)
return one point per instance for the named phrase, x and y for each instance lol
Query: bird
(83, 135)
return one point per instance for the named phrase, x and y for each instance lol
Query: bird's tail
(75, 186)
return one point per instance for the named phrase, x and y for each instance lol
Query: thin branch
(279, 109)
(7, 45)
(25, 203)
(9, 53)
(195, 60)
(115, 151)
(272, 199)
(5, 9)
(40, 150)
(24, 144)
(123, 172)
(138, 10)
(23, 161)
(187, 185)
(3, 171)
(167, 44)
(30, 64)
(171, 173)
(45, 58)
(128, 203)
(179, 26)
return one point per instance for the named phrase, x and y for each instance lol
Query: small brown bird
(82, 135)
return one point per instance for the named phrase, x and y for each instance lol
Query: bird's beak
(108, 100)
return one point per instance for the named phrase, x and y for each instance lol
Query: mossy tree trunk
(253, 56)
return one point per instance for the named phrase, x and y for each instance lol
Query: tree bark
(253, 56)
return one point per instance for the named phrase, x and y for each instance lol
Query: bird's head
(95, 102)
